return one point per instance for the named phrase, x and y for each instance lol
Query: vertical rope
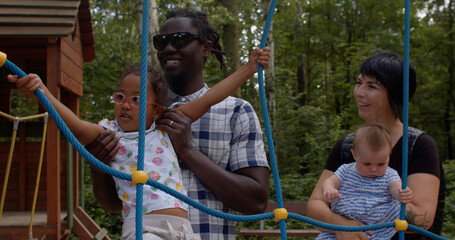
(265, 114)
(142, 115)
(404, 170)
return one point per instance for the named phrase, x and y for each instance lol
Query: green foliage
(326, 41)
(22, 106)
(116, 45)
(111, 222)
(449, 211)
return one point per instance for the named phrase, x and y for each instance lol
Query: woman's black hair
(207, 31)
(387, 68)
(155, 78)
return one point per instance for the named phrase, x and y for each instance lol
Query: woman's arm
(320, 210)
(422, 209)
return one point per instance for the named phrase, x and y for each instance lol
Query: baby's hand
(260, 56)
(405, 195)
(28, 84)
(330, 195)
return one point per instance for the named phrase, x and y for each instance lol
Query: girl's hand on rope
(405, 195)
(259, 56)
(28, 84)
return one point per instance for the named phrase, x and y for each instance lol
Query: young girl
(367, 190)
(165, 217)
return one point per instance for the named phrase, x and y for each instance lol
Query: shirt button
(183, 99)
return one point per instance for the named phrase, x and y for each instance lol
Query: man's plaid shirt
(230, 135)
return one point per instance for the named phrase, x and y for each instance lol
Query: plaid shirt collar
(175, 98)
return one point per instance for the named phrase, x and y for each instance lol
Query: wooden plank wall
(20, 198)
(71, 67)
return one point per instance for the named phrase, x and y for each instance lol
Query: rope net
(397, 224)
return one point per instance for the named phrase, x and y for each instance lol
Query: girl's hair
(374, 135)
(206, 31)
(156, 80)
(387, 68)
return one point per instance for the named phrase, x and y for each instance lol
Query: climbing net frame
(17, 120)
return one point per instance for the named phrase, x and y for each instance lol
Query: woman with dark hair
(223, 162)
(379, 96)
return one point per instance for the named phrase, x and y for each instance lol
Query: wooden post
(73, 104)
(53, 144)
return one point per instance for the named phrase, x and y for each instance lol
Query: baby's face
(371, 163)
(127, 113)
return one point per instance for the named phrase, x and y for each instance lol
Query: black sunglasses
(178, 40)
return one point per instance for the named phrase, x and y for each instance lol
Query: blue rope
(404, 145)
(265, 114)
(127, 177)
(232, 217)
(142, 115)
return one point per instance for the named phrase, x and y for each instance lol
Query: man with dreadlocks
(224, 164)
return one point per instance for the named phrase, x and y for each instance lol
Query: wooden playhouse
(52, 39)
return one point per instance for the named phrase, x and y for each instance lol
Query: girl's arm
(394, 188)
(318, 209)
(198, 107)
(330, 189)
(404, 196)
(84, 131)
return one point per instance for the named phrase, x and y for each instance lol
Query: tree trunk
(269, 81)
(153, 28)
(231, 40)
(269, 76)
(301, 87)
(450, 99)
(308, 54)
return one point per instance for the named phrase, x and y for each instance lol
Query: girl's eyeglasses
(120, 98)
(178, 40)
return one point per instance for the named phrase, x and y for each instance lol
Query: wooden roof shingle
(44, 18)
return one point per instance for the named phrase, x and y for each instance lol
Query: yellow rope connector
(2, 58)
(280, 214)
(139, 177)
(401, 225)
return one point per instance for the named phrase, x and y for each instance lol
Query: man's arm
(245, 190)
(104, 149)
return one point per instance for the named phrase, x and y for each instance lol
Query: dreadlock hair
(207, 31)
